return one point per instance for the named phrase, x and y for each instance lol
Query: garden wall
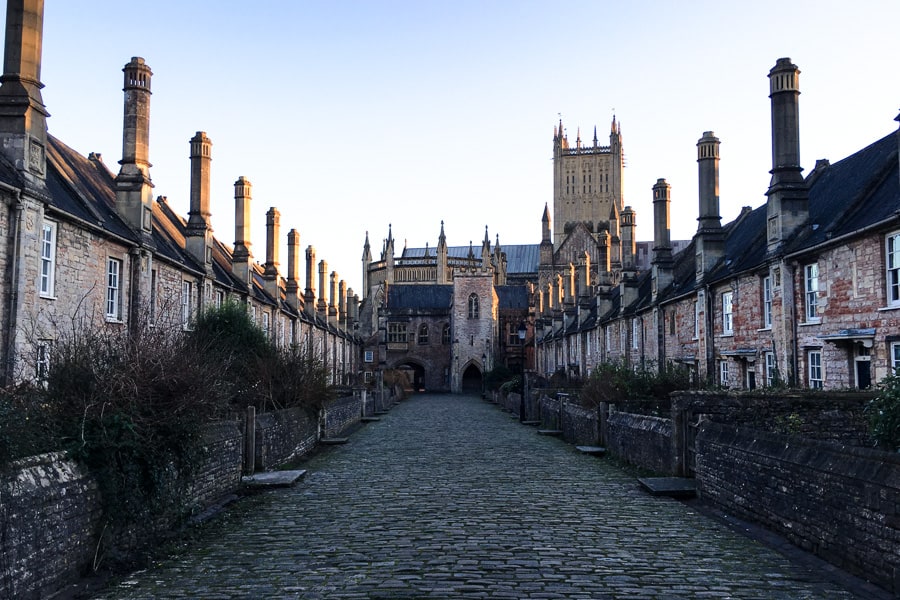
(840, 502)
(50, 508)
(642, 440)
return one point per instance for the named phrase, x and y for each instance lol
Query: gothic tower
(587, 181)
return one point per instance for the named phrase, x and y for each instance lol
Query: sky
(350, 116)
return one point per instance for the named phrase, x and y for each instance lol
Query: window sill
(769, 328)
(114, 320)
(727, 334)
(48, 297)
(885, 308)
(810, 323)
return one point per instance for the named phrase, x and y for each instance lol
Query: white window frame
(892, 268)
(811, 292)
(723, 373)
(767, 301)
(815, 369)
(697, 319)
(42, 360)
(266, 324)
(895, 357)
(369, 356)
(47, 285)
(187, 300)
(635, 334)
(770, 368)
(220, 298)
(728, 313)
(113, 289)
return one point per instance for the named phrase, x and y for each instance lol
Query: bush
(496, 377)
(617, 383)
(883, 413)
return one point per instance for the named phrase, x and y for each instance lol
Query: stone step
(673, 487)
(592, 450)
(556, 432)
(273, 479)
(531, 423)
(333, 441)
(370, 419)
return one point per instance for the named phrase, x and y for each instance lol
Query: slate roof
(419, 297)
(512, 297)
(520, 258)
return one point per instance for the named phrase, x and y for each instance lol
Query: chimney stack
(710, 244)
(198, 235)
(134, 190)
(23, 116)
(322, 304)
(787, 207)
(292, 286)
(309, 294)
(662, 262)
(241, 258)
(270, 269)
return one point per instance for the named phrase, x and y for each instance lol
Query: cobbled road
(449, 497)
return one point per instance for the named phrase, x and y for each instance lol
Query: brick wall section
(282, 435)
(642, 440)
(840, 502)
(833, 416)
(341, 414)
(49, 511)
(579, 425)
(220, 471)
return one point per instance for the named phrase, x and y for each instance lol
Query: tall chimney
(292, 286)
(198, 236)
(628, 241)
(309, 294)
(134, 190)
(23, 116)
(662, 262)
(270, 269)
(710, 244)
(333, 298)
(342, 303)
(787, 207)
(241, 257)
(322, 304)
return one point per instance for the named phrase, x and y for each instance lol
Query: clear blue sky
(348, 116)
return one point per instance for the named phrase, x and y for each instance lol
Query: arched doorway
(472, 380)
(415, 374)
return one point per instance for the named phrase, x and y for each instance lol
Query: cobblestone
(446, 497)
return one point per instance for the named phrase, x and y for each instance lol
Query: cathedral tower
(587, 181)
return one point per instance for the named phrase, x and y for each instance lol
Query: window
(265, 323)
(220, 298)
(815, 369)
(368, 356)
(723, 373)
(672, 322)
(893, 269)
(48, 259)
(473, 306)
(767, 302)
(727, 315)
(423, 334)
(186, 303)
(397, 332)
(895, 356)
(811, 276)
(635, 334)
(445, 335)
(696, 319)
(154, 282)
(42, 361)
(114, 289)
(771, 370)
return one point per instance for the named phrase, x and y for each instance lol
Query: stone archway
(472, 380)
(415, 374)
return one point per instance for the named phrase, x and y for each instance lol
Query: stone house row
(86, 247)
(804, 290)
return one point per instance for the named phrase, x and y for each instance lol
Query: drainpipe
(9, 342)
(792, 359)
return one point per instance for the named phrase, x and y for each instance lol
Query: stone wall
(50, 509)
(49, 515)
(340, 415)
(579, 425)
(840, 502)
(641, 440)
(282, 435)
(220, 472)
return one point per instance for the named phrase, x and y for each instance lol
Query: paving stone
(450, 499)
